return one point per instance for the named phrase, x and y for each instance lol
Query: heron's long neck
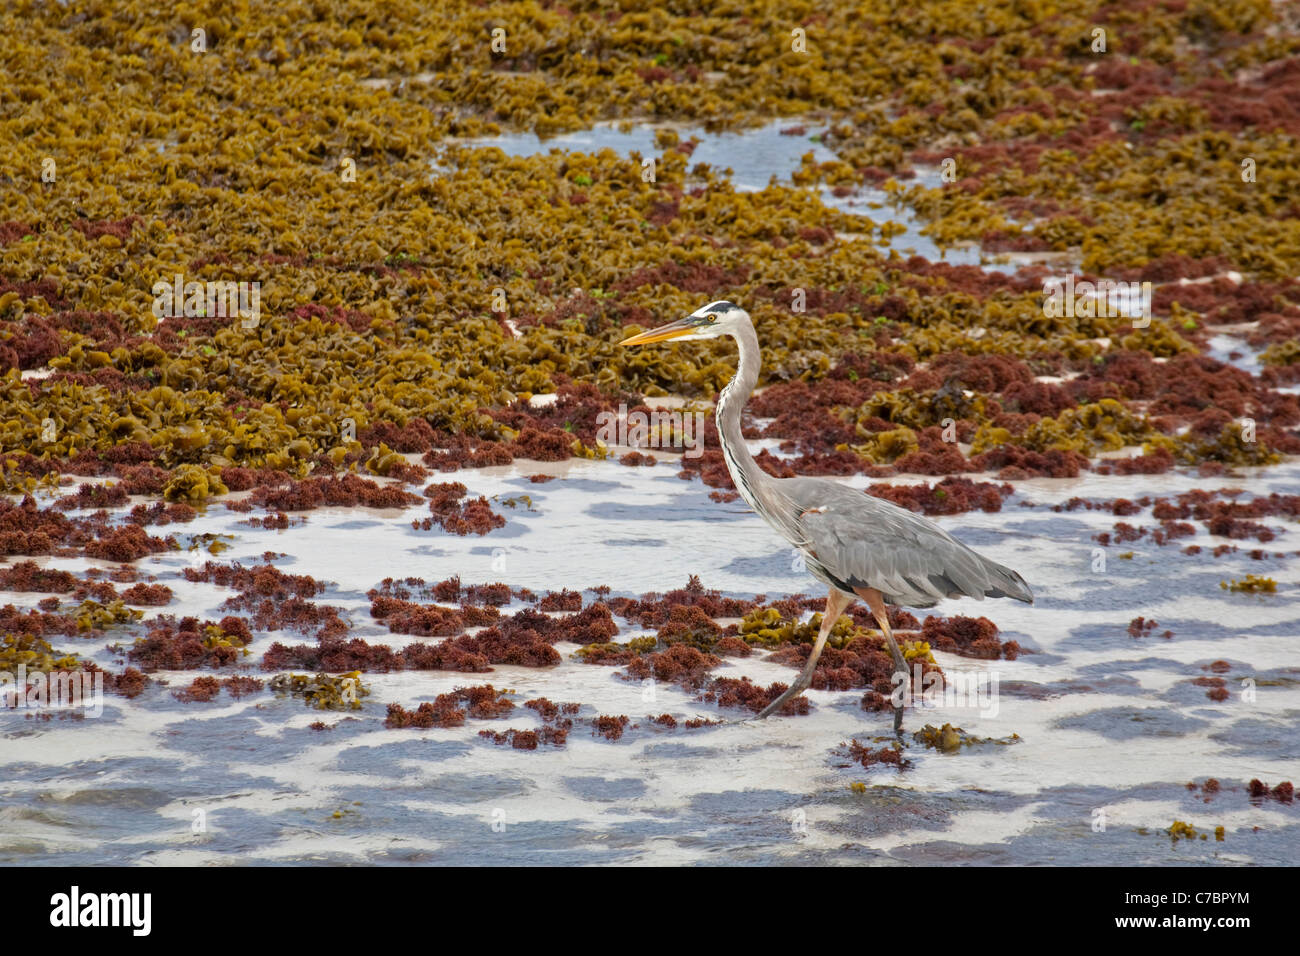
(745, 472)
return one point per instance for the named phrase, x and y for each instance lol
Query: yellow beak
(672, 330)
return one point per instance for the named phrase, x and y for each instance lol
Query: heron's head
(708, 322)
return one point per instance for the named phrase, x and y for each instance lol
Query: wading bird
(860, 546)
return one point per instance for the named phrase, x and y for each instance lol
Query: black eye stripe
(714, 310)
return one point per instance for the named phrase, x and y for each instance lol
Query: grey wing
(861, 541)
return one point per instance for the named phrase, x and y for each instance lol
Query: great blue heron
(860, 546)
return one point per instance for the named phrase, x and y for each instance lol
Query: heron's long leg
(875, 600)
(836, 603)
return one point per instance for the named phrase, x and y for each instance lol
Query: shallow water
(1108, 724)
(1108, 728)
(755, 158)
